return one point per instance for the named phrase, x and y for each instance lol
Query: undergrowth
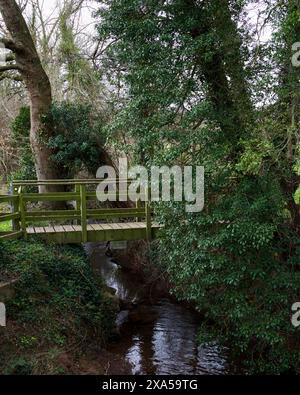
(58, 306)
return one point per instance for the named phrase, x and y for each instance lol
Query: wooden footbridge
(79, 223)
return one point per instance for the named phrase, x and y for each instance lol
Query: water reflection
(173, 347)
(134, 355)
(114, 277)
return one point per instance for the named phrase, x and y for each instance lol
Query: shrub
(78, 139)
(239, 264)
(58, 302)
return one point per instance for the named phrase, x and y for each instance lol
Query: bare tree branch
(9, 44)
(10, 57)
(9, 67)
(11, 76)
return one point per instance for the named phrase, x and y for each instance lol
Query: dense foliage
(58, 303)
(77, 141)
(20, 136)
(199, 94)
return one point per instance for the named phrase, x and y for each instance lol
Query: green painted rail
(77, 224)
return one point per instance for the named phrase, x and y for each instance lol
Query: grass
(5, 226)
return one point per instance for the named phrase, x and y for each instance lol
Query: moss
(58, 306)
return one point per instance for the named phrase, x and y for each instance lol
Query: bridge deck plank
(96, 232)
(30, 231)
(95, 227)
(117, 226)
(39, 229)
(49, 229)
(68, 228)
(59, 229)
(91, 227)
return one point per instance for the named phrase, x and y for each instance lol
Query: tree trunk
(231, 100)
(38, 86)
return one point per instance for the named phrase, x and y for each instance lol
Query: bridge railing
(14, 217)
(22, 216)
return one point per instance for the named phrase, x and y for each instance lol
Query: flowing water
(159, 337)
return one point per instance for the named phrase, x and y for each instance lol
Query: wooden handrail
(148, 217)
(8, 198)
(83, 213)
(91, 181)
(21, 217)
(8, 217)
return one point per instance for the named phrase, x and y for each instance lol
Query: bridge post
(138, 206)
(14, 208)
(148, 216)
(78, 200)
(83, 212)
(22, 210)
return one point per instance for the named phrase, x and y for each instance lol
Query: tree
(187, 66)
(286, 110)
(27, 63)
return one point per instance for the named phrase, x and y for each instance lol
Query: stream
(158, 337)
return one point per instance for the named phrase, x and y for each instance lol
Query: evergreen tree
(190, 102)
